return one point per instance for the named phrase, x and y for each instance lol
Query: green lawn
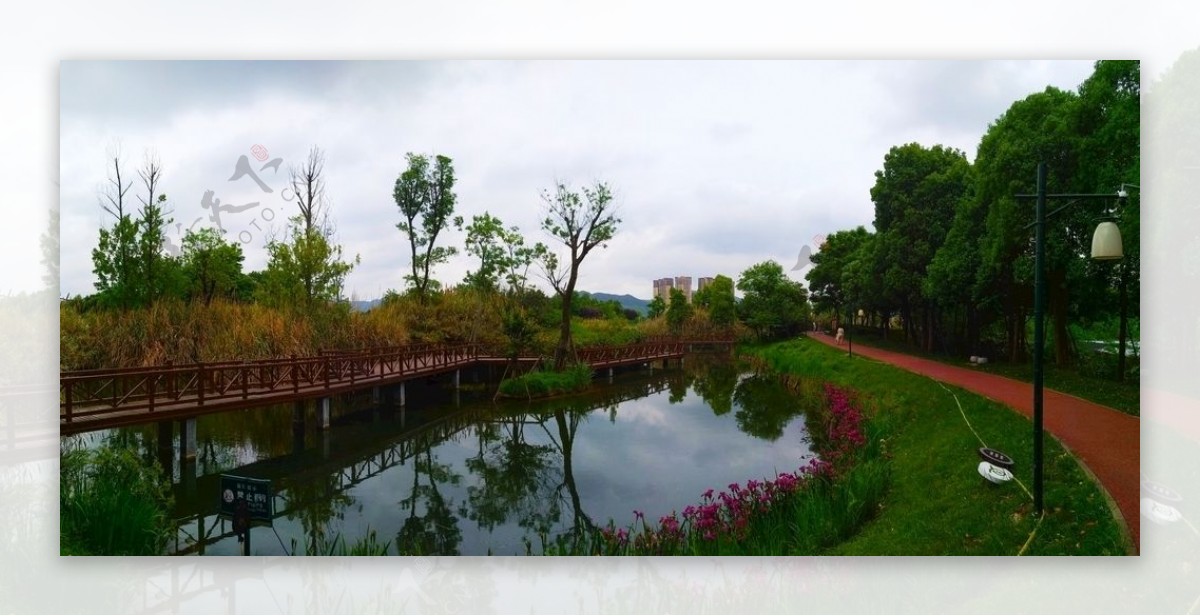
(1122, 396)
(937, 503)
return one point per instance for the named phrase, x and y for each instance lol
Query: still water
(456, 473)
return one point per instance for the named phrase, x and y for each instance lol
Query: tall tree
(425, 196)
(915, 196)
(772, 305)
(212, 266)
(580, 224)
(722, 306)
(678, 311)
(113, 258)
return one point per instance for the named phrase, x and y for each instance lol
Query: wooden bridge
(108, 398)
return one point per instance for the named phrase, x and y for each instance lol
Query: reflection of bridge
(345, 467)
(98, 399)
(359, 460)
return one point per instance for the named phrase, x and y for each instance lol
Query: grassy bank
(937, 503)
(1124, 396)
(544, 383)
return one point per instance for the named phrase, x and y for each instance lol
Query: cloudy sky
(716, 166)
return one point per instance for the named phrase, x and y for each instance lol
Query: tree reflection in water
(436, 531)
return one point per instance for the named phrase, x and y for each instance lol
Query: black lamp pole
(850, 331)
(1039, 317)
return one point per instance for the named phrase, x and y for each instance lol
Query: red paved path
(1107, 441)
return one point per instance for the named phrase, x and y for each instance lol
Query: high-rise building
(684, 283)
(703, 282)
(662, 288)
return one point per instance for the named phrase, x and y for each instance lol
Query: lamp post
(850, 331)
(1106, 246)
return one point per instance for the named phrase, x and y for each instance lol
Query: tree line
(949, 261)
(307, 267)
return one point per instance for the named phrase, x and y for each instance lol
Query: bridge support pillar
(324, 412)
(187, 439)
(401, 394)
(457, 378)
(610, 376)
(375, 395)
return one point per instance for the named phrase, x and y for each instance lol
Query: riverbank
(937, 502)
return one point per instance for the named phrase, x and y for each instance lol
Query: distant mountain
(364, 305)
(627, 301)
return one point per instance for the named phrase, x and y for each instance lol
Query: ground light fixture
(1106, 246)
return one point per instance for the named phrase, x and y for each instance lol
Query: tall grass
(112, 503)
(544, 383)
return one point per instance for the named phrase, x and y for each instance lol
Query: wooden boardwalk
(100, 399)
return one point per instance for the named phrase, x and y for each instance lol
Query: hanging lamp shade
(1106, 242)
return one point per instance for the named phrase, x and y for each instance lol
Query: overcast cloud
(716, 165)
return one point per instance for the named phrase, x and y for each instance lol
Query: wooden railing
(88, 393)
(95, 392)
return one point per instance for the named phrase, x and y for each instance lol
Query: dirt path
(1105, 440)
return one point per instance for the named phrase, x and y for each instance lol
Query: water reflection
(482, 477)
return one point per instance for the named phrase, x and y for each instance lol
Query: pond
(456, 473)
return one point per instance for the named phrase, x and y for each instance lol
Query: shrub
(112, 503)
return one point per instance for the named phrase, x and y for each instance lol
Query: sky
(715, 165)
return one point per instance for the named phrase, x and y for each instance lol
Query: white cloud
(716, 165)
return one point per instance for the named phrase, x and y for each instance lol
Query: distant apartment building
(662, 288)
(684, 283)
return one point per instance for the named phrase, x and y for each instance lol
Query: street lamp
(1106, 246)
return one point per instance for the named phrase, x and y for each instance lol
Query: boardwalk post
(245, 370)
(325, 412)
(151, 383)
(170, 379)
(68, 384)
(326, 372)
(295, 375)
(187, 439)
(200, 382)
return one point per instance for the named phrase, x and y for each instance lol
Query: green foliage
(657, 307)
(772, 305)
(304, 271)
(679, 311)
(830, 277)
(721, 304)
(425, 196)
(502, 253)
(212, 266)
(111, 503)
(540, 384)
(580, 227)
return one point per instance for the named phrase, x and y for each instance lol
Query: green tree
(212, 266)
(772, 305)
(722, 306)
(425, 196)
(657, 307)
(113, 258)
(502, 253)
(915, 196)
(678, 311)
(581, 227)
(304, 271)
(827, 279)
